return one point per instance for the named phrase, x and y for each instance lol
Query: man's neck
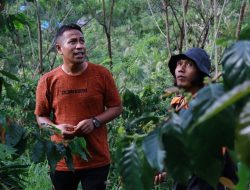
(193, 90)
(74, 69)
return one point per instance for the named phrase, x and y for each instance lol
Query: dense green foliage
(134, 39)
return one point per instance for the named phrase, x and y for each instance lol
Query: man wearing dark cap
(189, 70)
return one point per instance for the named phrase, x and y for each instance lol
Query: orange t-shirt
(178, 103)
(72, 99)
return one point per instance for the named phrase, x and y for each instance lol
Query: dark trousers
(91, 179)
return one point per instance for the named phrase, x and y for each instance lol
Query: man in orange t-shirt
(82, 97)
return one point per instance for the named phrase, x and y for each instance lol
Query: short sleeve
(43, 107)
(112, 97)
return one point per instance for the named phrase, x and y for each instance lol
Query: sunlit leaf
(236, 64)
(225, 101)
(243, 135)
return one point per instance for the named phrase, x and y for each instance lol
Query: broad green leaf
(243, 135)
(153, 149)
(78, 146)
(147, 174)
(236, 64)
(52, 127)
(198, 106)
(9, 75)
(189, 149)
(54, 154)
(177, 159)
(225, 101)
(14, 134)
(38, 152)
(68, 158)
(130, 168)
(244, 177)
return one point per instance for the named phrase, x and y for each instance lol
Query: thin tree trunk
(215, 11)
(179, 45)
(40, 52)
(184, 13)
(107, 28)
(165, 7)
(31, 45)
(242, 12)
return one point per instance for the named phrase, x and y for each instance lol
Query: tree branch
(242, 11)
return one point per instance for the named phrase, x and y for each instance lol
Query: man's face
(186, 72)
(71, 46)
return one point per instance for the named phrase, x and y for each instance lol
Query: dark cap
(197, 55)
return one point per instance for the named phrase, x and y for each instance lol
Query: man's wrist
(96, 122)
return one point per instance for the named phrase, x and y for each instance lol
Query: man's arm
(109, 114)
(86, 126)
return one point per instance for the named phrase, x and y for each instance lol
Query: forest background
(132, 38)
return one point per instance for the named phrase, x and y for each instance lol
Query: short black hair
(65, 28)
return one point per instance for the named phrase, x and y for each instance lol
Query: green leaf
(142, 119)
(14, 134)
(9, 75)
(130, 168)
(225, 41)
(10, 91)
(198, 106)
(244, 177)
(177, 159)
(6, 151)
(225, 101)
(131, 100)
(189, 148)
(1, 88)
(245, 33)
(68, 158)
(78, 146)
(153, 149)
(236, 64)
(243, 135)
(52, 127)
(54, 154)
(148, 174)
(38, 152)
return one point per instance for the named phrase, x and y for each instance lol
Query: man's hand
(160, 177)
(67, 130)
(84, 127)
